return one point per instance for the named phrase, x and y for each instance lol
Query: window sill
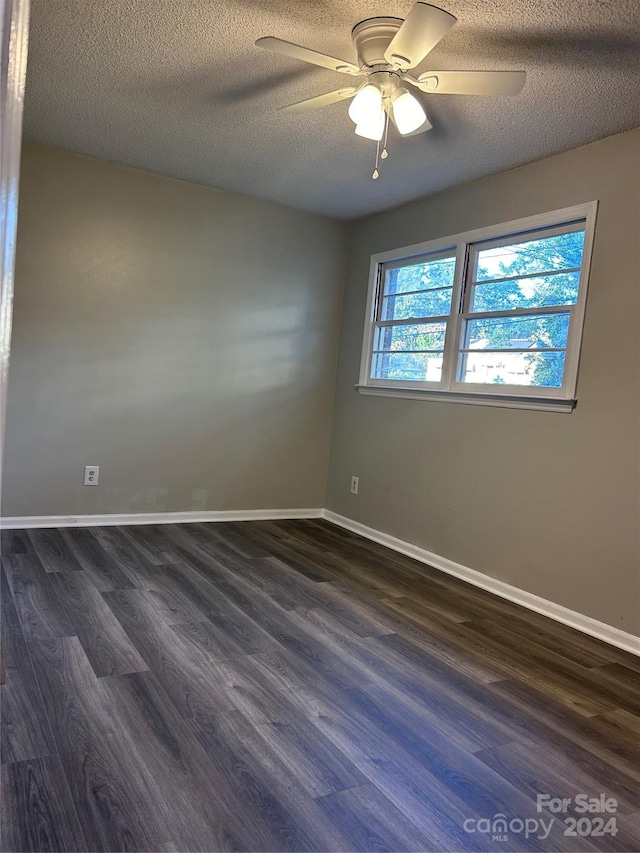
(540, 404)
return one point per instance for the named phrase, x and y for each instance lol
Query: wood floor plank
(607, 685)
(24, 727)
(455, 767)
(94, 559)
(263, 820)
(300, 750)
(189, 676)
(284, 817)
(574, 648)
(626, 722)
(163, 590)
(40, 612)
(38, 813)
(516, 664)
(218, 642)
(554, 724)
(409, 671)
(422, 643)
(440, 815)
(535, 768)
(615, 655)
(105, 643)
(129, 561)
(228, 622)
(13, 542)
(209, 540)
(312, 761)
(230, 536)
(354, 613)
(271, 618)
(280, 584)
(153, 546)
(115, 804)
(275, 542)
(336, 668)
(176, 768)
(425, 611)
(52, 550)
(450, 654)
(341, 566)
(292, 746)
(372, 822)
(393, 571)
(618, 683)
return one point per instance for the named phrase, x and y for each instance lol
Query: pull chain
(381, 155)
(385, 153)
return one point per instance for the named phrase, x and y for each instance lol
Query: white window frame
(463, 246)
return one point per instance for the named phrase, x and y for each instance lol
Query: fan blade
(421, 31)
(471, 82)
(320, 101)
(306, 55)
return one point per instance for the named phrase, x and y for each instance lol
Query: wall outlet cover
(91, 475)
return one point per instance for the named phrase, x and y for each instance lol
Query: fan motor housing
(372, 37)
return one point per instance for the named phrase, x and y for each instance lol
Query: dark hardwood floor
(268, 686)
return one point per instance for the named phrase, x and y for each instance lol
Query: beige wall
(548, 502)
(183, 339)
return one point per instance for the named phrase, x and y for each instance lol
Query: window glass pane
(543, 292)
(423, 336)
(540, 369)
(420, 276)
(563, 251)
(409, 367)
(533, 331)
(430, 303)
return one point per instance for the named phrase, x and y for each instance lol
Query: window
(491, 316)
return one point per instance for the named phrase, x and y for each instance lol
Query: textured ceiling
(177, 87)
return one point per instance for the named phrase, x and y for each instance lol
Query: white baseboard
(607, 633)
(105, 520)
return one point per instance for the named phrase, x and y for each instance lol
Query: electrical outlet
(91, 475)
(354, 485)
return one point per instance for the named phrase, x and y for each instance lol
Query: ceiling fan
(387, 49)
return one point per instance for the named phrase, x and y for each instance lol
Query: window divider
(413, 292)
(503, 349)
(413, 321)
(518, 312)
(480, 281)
(454, 328)
(406, 351)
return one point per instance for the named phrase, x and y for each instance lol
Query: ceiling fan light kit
(372, 128)
(388, 48)
(366, 104)
(407, 111)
